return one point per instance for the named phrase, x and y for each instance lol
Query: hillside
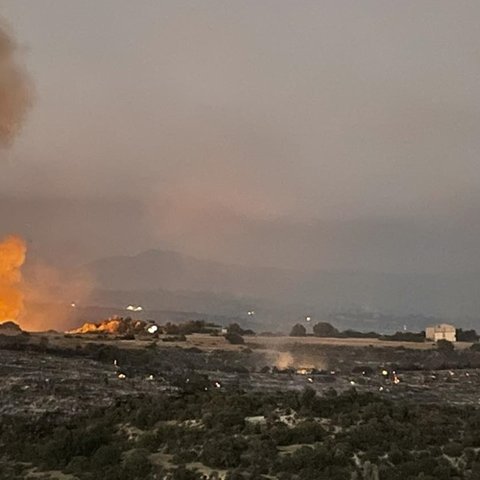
(200, 285)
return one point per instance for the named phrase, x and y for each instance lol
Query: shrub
(453, 449)
(324, 329)
(137, 465)
(175, 338)
(106, 455)
(234, 338)
(298, 330)
(445, 346)
(466, 335)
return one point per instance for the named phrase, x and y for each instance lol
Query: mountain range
(170, 280)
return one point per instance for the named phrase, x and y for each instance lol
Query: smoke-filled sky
(306, 134)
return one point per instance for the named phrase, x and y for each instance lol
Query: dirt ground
(352, 342)
(209, 343)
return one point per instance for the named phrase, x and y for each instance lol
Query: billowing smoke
(53, 297)
(15, 100)
(15, 88)
(12, 257)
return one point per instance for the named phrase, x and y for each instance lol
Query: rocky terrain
(79, 383)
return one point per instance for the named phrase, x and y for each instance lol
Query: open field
(208, 342)
(274, 342)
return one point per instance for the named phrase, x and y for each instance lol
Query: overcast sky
(308, 134)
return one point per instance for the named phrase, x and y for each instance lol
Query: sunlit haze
(324, 135)
(239, 239)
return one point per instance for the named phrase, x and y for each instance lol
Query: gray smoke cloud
(308, 135)
(15, 87)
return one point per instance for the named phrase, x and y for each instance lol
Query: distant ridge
(448, 296)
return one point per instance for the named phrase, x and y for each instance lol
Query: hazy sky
(310, 134)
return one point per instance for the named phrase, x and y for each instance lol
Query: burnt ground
(68, 376)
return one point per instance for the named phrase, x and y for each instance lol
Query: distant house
(442, 331)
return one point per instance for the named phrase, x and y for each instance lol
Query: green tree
(466, 335)
(445, 346)
(106, 455)
(324, 329)
(234, 338)
(298, 330)
(137, 465)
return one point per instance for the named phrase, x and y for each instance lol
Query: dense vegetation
(325, 329)
(284, 435)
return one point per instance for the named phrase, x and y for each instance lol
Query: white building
(442, 331)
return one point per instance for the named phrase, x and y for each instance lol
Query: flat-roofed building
(443, 331)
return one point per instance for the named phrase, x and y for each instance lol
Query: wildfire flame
(115, 325)
(12, 256)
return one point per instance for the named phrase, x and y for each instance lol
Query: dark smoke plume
(15, 88)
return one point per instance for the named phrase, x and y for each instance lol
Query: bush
(77, 465)
(106, 455)
(405, 337)
(445, 346)
(298, 330)
(466, 335)
(224, 451)
(127, 336)
(324, 329)
(182, 473)
(453, 449)
(234, 338)
(175, 338)
(236, 328)
(137, 465)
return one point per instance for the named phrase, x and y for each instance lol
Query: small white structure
(442, 331)
(152, 328)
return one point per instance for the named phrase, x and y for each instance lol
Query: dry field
(274, 342)
(209, 342)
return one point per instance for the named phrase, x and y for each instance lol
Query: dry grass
(273, 342)
(208, 342)
(50, 475)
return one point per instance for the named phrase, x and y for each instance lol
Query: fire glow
(12, 256)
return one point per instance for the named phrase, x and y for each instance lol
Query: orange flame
(114, 325)
(12, 256)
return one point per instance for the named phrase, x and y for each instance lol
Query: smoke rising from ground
(15, 88)
(332, 136)
(301, 135)
(51, 296)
